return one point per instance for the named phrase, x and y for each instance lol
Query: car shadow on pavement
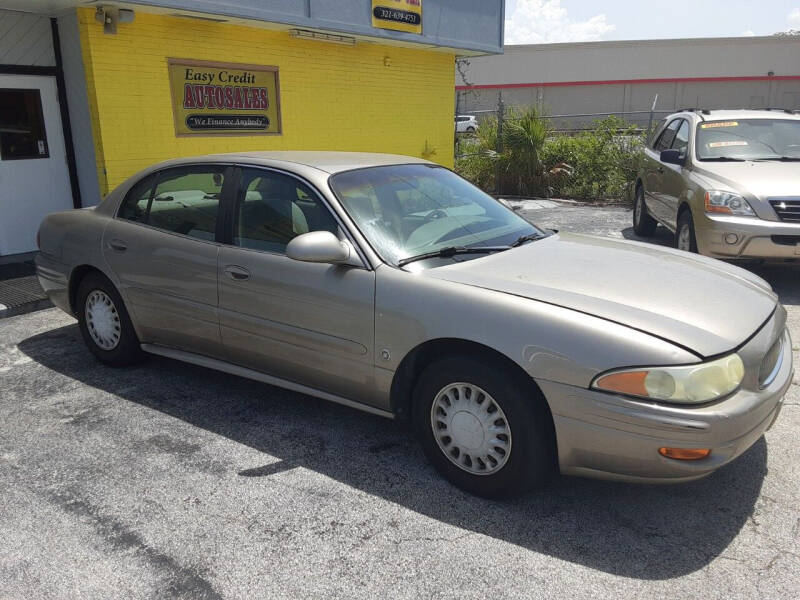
(647, 532)
(661, 236)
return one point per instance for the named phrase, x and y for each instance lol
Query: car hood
(701, 304)
(760, 179)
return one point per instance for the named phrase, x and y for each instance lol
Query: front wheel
(643, 224)
(483, 429)
(684, 234)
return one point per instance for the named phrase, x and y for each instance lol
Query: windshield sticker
(719, 124)
(728, 144)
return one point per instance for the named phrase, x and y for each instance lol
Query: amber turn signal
(685, 453)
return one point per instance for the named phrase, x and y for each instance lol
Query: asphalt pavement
(170, 481)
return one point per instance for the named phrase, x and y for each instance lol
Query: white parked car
(466, 124)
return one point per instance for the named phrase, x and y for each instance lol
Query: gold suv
(726, 182)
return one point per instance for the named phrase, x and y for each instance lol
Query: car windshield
(748, 139)
(409, 210)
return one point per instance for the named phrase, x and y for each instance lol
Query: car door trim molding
(226, 367)
(292, 335)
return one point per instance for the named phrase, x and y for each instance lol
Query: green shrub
(604, 160)
(599, 163)
(519, 164)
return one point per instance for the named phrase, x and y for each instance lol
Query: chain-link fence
(562, 124)
(576, 155)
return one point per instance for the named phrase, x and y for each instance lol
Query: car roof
(329, 162)
(742, 113)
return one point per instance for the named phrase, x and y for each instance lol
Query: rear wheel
(643, 224)
(483, 429)
(470, 130)
(104, 322)
(684, 234)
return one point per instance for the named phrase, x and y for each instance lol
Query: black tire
(470, 130)
(127, 350)
(686, 222)
(643, 224)
(531, 460)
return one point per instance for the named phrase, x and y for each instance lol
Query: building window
(22, 134)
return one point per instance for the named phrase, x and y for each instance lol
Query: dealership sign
(399, 15)
(222, 98)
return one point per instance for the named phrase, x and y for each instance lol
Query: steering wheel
(437, 213)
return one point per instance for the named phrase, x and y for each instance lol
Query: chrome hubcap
(684, 239)
(102, 320)
(470, 428)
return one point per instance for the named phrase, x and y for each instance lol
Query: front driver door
(305, 322)
(673, 183)
(655, 173)
(163, 249)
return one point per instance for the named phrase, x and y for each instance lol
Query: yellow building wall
(332, 97)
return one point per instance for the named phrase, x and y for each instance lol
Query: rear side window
(186, 201)
(182, 200)
(134, 207)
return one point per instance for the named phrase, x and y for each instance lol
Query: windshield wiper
(723, 159)
(451, 251)
(531, 237)
(779, 158)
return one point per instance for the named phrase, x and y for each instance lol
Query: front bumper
(612, 437)
(747, 238)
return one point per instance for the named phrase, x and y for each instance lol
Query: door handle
(237, 273)
(117, 245)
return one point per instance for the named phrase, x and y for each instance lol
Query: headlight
(728, 204)
(691, 384)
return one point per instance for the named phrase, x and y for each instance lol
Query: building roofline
(504, 86)
(511, 48)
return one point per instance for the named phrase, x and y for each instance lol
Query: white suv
(466, 124)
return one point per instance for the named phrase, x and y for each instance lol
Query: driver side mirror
(318, 247)
(673, 157)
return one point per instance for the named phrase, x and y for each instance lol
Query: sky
(541, 21)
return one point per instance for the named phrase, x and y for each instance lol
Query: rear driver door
(163, 248)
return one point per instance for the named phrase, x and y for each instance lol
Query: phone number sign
(398, 15)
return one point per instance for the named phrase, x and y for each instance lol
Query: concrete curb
(28, 307)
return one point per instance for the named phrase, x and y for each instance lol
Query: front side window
(666, 139)
(408, 210)
(22, 133)
(273, 209)
(749, 139)
(185, 200)
(681, 142)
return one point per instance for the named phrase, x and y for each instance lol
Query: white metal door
(37, 183)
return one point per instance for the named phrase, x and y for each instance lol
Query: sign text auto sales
(214, 98)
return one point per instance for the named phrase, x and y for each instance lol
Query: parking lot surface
(170, 481)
